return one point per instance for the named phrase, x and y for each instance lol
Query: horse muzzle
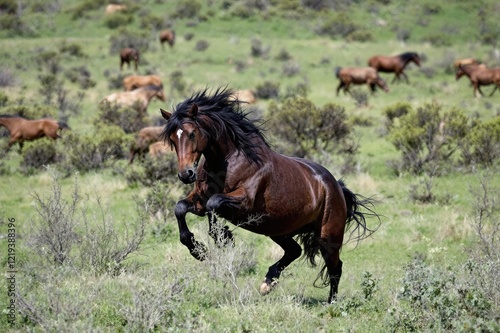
(188, 175)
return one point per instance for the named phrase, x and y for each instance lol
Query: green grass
(209, 300)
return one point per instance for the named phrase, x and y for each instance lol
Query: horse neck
(7, 122)
(219, 152)
(149, 94)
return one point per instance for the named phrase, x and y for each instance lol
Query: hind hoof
(267, 286)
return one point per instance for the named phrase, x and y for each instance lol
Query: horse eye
(191, 136)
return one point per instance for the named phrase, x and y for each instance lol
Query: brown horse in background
(132, 82)
(22, 129)
(159, 149)
(127, 55)
(480, 75)
(245, 96)
(144, 139)
(355, 75)
(394, 64)
(167, 36)
(139, 98)
(241, 179)
(466, 61)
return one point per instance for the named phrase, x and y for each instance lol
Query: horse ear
(193, 112)
(165, 114)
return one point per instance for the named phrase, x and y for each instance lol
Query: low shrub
(124, 38)
(267, 90)
(38, 154)
(188, 9)
(428, 137)
(7, 78)
(126, 117)
(307, 129)
(440, 299)
(82, 76)
(118, 19)
(481, 145)
(96, 150)
(201, 45)
(67, 232)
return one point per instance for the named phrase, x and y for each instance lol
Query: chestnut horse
(22, 129)
(357, 75)
(127, 55)
(132, 82)
(144, 139)
(394, 64)
(159, 149)
(243, 181)
(480, 75)
(167, 36)
(466, 61)
(139, 98)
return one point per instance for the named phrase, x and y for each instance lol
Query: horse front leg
(406, 77)
(341, 84)
(292, 251)
(197, 249)
(496, 86)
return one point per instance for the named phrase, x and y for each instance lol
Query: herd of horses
(478, 73)
(237, 176)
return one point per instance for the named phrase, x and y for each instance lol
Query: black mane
(11, 116)
(219, 113)
(408, 56)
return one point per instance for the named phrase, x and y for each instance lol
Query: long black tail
(356, 203)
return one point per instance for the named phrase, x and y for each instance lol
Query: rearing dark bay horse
(395, 64)
(240, 177)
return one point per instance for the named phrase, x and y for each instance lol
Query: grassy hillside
(407, 276)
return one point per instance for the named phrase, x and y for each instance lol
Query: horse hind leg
(292, 251)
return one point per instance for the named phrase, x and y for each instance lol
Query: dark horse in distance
(128, 55)
(395, 64)
(243, 181)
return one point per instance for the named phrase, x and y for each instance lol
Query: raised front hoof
(267, 286)
(199, 251)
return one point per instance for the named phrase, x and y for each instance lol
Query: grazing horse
(144, 139)
(480, 75)
(127, 55)
(22, 129)
(395, 64)
(132, 82)
(466, 61)
(139, 98)
(356, 75)
(159, 149)
(245, 96)
(167, 36)
(243, 181)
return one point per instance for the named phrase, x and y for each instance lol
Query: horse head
(416, 59)
(188, 141)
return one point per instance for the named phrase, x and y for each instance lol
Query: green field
(432, 247)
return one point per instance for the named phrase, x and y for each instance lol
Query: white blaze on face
(179, 133)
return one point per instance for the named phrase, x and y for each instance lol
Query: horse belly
(285, 210)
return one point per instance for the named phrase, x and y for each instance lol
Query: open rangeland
(91, 242)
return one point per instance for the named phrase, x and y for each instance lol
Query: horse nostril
(190, 173)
